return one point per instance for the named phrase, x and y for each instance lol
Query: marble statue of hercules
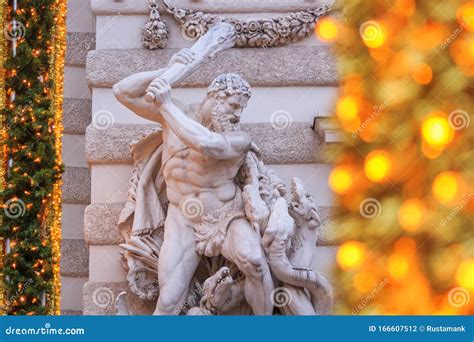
(201, 158)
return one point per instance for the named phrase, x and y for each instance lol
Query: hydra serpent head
(302, 206)
(217, 290)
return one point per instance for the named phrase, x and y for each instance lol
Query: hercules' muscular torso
(191, 174)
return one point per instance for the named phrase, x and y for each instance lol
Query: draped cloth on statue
(144, 211)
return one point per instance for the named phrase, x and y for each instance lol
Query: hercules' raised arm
(193, 134)
(134, 92)
(131, 91)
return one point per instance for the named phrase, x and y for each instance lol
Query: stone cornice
(296, 144)
(272, 67)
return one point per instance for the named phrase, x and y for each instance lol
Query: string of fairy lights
(402, 178)
(3, 52)
(32, 59)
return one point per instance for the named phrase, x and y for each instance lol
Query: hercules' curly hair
(228, 85)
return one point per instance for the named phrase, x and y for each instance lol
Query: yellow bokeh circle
(398, 266)
(373, 33)
(350, 255)
(340, 179)
(327, 30)
(378, 165)
(437, 131)
(411, 214)
(445, 187)
(465, 274)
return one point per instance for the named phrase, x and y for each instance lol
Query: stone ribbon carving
(262, 33)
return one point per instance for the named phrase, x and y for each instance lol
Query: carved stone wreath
(253, 33)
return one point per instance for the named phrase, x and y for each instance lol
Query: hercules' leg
(177, 263)
(243, 247)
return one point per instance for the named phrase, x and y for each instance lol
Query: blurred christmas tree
(404, 176)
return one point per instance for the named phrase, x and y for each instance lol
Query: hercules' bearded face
(225, 116)
(227, 96)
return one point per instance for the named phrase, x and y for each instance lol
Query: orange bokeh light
(465, 274)
(340, 179)
(364, 281)
(437, 131)
(429, 152)
(350, 255)
(373, 33)
(398, 266)
(378, 165)
(411, 214)
(423, 74)
(405, 7)
(462, 51)
(347, 110)
(445, 187)
(327, 30)
(405, 245)
(465, 15)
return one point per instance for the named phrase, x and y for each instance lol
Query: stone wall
(299, 80)
(76, 187)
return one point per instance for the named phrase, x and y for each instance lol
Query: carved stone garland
(253, 33)
(155, 32)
